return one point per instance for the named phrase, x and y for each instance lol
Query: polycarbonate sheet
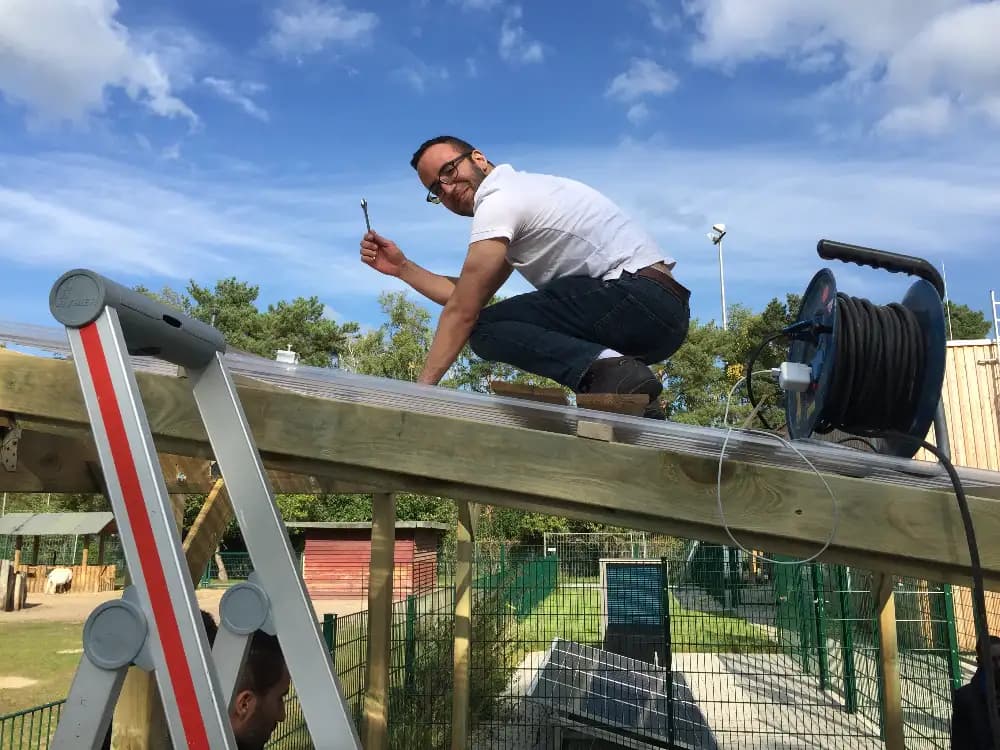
(691, 440)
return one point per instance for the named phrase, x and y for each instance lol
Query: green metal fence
(751, 654)
(237, 567)
(31, 728)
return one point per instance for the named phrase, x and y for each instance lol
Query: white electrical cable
(718, 486)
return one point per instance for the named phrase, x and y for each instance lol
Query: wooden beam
(51, 461)
(892, 694)
(883, 526)
(468, 517)
(206, 532)
(375, 721)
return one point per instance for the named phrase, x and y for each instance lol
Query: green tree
(300, 324)
(700, 375)
(396, 349)
(962, 322)
(231, 306)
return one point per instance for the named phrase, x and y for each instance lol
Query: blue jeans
(558, 331)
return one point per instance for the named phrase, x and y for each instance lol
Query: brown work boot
(621, 375)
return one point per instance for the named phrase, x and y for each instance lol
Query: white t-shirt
(559, 227)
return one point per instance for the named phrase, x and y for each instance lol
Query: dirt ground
(44, 641)
(70, 607)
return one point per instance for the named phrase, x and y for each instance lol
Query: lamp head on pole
(717, 233)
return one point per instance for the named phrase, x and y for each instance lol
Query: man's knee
(480, 340)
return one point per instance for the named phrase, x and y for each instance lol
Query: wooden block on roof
(633, 404)
(595, 430)
(530, 392)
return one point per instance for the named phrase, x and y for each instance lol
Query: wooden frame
(901, 528)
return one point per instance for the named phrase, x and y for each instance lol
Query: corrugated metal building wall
(971, 395)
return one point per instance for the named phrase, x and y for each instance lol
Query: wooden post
(18, 544)
(20, 590)
(375, 722)
(468, 517)
(892, 696)
(85, 554)
(7, 574)
(139, 722)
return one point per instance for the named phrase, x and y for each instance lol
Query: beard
(473, 182)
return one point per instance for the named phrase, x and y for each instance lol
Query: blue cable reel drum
(871, 367)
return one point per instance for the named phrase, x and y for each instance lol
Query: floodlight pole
(716, 237)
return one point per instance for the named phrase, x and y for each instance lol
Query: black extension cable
(874, 387)
(978, 595)
(878, 369)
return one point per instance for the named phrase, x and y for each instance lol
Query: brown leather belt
(657, 273)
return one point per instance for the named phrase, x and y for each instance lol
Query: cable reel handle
(892, 262)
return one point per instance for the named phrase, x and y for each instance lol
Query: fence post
(734, 578)
(847, 639)
(668, 650)
(328, 626)
(410, 651)
(819, 604)
(803, 616)
(954, 669)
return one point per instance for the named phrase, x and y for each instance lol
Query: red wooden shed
(335, 557)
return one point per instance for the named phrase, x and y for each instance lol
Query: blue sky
(159, 142)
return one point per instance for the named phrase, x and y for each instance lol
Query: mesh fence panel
(704, 647)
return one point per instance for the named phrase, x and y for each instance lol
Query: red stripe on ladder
(142, 530)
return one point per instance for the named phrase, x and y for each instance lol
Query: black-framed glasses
(445, 176)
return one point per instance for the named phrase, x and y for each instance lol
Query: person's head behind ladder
(259, 699)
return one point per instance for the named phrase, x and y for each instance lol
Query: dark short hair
(449, 139)
(211, 629)
(265, 664)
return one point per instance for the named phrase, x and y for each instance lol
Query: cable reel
(871, 367)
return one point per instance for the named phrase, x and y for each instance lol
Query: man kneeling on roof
(605, 306)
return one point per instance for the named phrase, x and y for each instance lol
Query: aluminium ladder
(157, 624)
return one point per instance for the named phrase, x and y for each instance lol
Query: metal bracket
(8, 446)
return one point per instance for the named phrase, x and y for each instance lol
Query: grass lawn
(30, 650)
(574, 614)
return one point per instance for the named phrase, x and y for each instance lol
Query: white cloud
(305, 27)
(58, 208)
(471, 69)
(900, 58)
(238, 94)
(659, 17)
(954, 55)
(59, 59)
(637, 113)
(857, 34)
(419, 76)
(476, 4)
(516, 46)
(933, 116)
(300, 233)
(644, 77)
